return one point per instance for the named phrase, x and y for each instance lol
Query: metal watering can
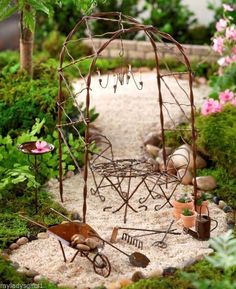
(202, 227)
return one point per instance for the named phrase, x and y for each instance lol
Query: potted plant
(202, 203)
(182, 201)
(188, 218)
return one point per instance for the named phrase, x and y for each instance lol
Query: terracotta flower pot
(203, 207)
(188, 221)
(178, 208)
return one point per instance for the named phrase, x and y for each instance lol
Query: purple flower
(226, 96)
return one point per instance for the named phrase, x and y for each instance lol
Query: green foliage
(225, 259)
(226, 184)
(225, 81)
(171, 17)
(187, 212)
(225, 256)
(217, 137)
(127, 7)
(8, 274)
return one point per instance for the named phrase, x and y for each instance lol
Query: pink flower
(234, 50)
(226, 96)
(41, 147)
(233, 101)
(222, 61)
(231, 33)
(218, 44)
(221, 25)
(227, 7)
(211, 106)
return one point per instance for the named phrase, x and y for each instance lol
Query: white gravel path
(124, 118)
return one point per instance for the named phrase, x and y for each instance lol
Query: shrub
(171, 17)
(217, 137)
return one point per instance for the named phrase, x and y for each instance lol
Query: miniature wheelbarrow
(85, 240)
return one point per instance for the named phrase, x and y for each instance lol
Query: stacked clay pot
(178, 208)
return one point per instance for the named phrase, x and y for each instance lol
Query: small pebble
(156, 273)
(138, 275)
(13, 246)
(222, 204)
(22, 241)
(92, 243)
(230, 217)
(15, 265)
(82, 247)
(216, 200)
(230, 226)
(169, 271)
(227, 209)
(75, 216)
(42, 235)
(125, 282)
(38, 278)
(64, 222)
(31, 273)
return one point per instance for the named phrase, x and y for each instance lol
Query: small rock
(230, 217)
(183, 156)
(38, 278)
(189, 262)
(28, 272)
(15, 265)
(138, 275)
(114, 285)
(216, 200)
(185, 176)
(92, 243)
(78, 238)
(42, 235)
(170, 168)
(75, 216)
(66, 285)
(156, 273)
(230, 226)
(152, 150)
(70, 174)
(154, 163)
(14, 246)
(168, 150)
(22, 241)
(31, 273)
(159, 160)
(82, 247)
(227, 209)
(5, 256)
(169, 271)
(64, 222)
(222, 204)
(153, 138)
(206, 183)
(125, 282)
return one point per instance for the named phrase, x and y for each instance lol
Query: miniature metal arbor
(123, 25)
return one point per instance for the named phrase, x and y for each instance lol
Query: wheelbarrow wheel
(101, 265)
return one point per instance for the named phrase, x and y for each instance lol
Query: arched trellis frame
(126, 25)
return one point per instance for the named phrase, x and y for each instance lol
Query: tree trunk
(26, 49)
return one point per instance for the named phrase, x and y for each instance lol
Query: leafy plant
(183, 197)
(171, 17)
(187, 212)
(216, 137)
(202, 197)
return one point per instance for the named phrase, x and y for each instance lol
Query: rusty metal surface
(110, 167)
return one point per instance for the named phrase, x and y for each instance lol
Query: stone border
(143, 50)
